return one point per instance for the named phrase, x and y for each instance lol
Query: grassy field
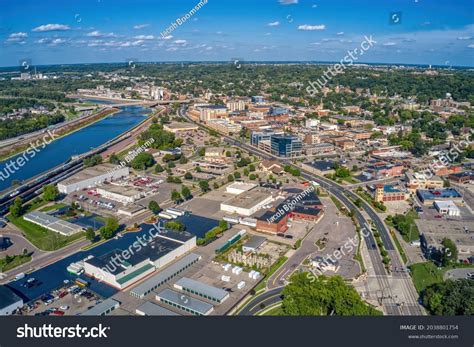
(16, 261)
(426, 274)
(43, 238)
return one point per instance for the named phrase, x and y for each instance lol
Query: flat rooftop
(241, 185)
(202, 289)
(185, 302)
(91, 172)
(125, 191)
(153, 250)
(249, 199)
(164, 275)
(102, 308)
(151, 309)
(180, 125)
(434, 194)
(52, 223)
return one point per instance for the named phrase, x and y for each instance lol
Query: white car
(64, 308)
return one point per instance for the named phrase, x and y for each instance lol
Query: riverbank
(66, 130)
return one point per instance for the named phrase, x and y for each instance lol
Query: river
(75, 143)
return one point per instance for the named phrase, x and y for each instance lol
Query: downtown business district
(155, 270)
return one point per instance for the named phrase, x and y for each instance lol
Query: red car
(57, 313)
(438, 216)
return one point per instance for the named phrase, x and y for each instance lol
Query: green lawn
(425, 274)
(400, 249)
(43, 238)
(53, 207)
(16, 261)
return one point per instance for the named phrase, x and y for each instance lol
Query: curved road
(410, 304)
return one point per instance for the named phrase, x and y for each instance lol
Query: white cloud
(97, 33)
(52, 27)
(273, 24)
(140, 26)
(464, 37)
(138, 42)
(471, 45)
(169, 37)
(17, 37)
(314, 6)
(288, 2)
(144, 37)
(340, 33)
(389, 44)
(307, 27)
(180, 42)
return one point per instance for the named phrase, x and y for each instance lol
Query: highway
(406, 305)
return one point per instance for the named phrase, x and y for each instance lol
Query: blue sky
(88, 31)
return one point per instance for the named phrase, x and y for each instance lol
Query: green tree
(188, 175)
(204, 186)
(154, 207)
(94, 160)
(50, 192)
(142, 161)
(175, 196)
(159, 168)
(114, 159)
(230, 178)
(90, 234)
(449, 252)
(16, 209)
(307, 295)
(186, 193)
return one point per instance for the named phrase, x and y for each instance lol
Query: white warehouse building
(447, 207)
(92, 176)
(249, 203)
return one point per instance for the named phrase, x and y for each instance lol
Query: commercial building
(462, 177)
(122, 268)
(203, 290)
(92, 176)
(306, 213)
(383, 193)
(224, 126)
(208, 112)
(9, 301)
(254, 243)
(177, 127)
(239, 187)
(124, 195)
(249, 203)
(258, 136)
(164, 275)
(286, 146)
(420, 181)
(447, 207)
(185, 303)
(151, 309)
(52, 223)
(427, 197)
(102, 309)
(274, 222)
